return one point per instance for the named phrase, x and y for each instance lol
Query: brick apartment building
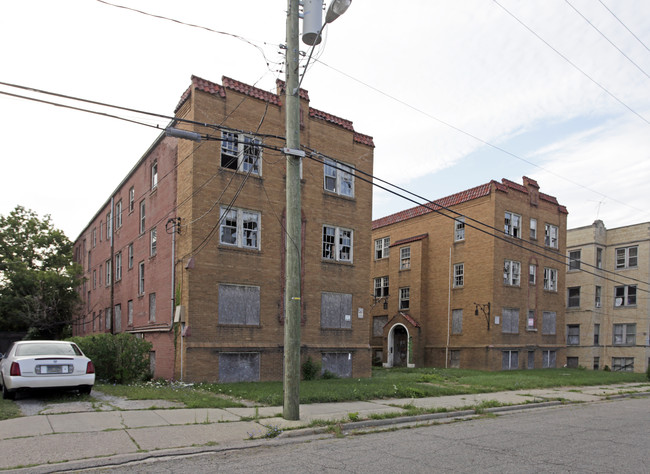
(200, 243)
(608, 315)
(451, 292)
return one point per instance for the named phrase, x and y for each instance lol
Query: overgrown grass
(8, 409)
(419, 383)
(188, 394)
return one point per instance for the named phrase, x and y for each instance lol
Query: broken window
(338, 178)
(240, 227)
(512, 224)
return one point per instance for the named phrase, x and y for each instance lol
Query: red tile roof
(408, 240)
(474, 193)
(228, 83)
(282, 87)
(411, 321)
(454, 199)
(250, 90)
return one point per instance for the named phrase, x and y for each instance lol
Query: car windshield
(47, 348)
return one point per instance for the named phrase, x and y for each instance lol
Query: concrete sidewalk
(124, 431)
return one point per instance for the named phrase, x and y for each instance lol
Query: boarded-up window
(510, 323)
(378, 323)
(338, 363)
(548, 359)
(510, 360)
(336, 310)
(454, 359)
(548, 322)
(457, 321)
(239, 304)
(239, 367)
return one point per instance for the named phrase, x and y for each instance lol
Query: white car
(45, 364)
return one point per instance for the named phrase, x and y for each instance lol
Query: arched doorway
(398, 346)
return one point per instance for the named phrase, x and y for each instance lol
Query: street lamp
(485, 309)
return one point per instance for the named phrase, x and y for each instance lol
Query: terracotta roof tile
(364, 139)
(454, 199)
(282, 87)
(250, 90)
(517, 186)
(408, 240)
(315, 113)
(411, 321)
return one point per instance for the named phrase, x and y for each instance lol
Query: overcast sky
(455, 93)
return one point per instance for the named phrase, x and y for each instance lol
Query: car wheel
(6, 394)
(85, 390)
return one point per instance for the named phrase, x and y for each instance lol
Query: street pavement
(110, 431)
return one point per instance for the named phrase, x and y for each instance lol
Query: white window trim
(338, 247)
(459, 275)
(459, 229)
(405, 290)
(511, 273)
(626, 257)
(533, 228)
(551, 236)
(235, 146)
(512, 224)
(335, 173)
(381, 284)
(550, 279)
(154, 174)
(241, 232)
(405, 260)
(382, 245)
(153, 242)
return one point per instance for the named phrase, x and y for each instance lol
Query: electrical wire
(607, 39)
(624, 25)
(575, 66)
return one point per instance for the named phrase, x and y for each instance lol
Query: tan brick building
(228, 252)
(474, 281)
(608, 315)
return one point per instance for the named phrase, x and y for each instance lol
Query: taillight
(90, 367)
(15, 369)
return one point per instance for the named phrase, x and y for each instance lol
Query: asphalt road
(611, 436)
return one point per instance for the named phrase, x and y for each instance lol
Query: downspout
(448, 311)
(111, 223)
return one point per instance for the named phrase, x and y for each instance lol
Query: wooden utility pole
(291, 408)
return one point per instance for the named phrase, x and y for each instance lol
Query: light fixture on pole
(485, 309)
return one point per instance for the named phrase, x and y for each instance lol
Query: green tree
(37, 276)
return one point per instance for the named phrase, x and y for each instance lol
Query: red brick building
(474, 280)
(197, 260)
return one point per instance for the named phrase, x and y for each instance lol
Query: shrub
(647, 372)
(327, 375)
(119, 358)
(310, 369)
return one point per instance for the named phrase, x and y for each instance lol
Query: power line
(575, 66)
(608, 40)
(624, 25)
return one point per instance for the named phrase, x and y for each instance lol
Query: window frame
(512, 224)
(511, 273)
(549, 317)
(143, 216)
(532, 274)
(118, 214)
(533, 228)
(459, 229)
(118, 266)
(550, 279)
(551, 236)
(382, 248)
(459, 275)
(241, 233)
(573, 301)
(131, 199)
(405, 260)
(335, 175)
(626, 333)
(153, 242)
(242, 151)
(154, 174)
(381, 287)
(628, 296)
(405, 298)
(572, 334)
(574, 260)
(510, 321)
(141, 282)
(626, 260)
(334, 251)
